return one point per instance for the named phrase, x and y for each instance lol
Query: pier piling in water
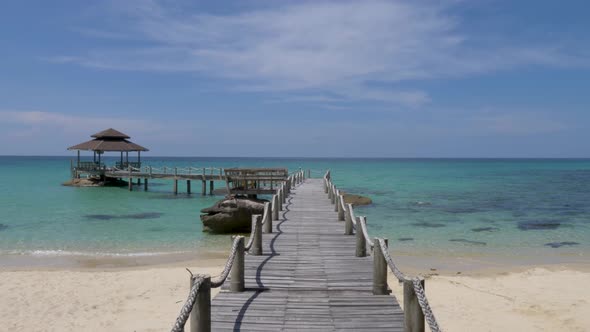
(188, 187)
(203, 187)
(145, 184)
(211, 187)
(175, 186)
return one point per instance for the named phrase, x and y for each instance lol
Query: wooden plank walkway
(308, 277)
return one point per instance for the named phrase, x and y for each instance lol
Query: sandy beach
(149, 298)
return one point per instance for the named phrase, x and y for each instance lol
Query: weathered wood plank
(308, 277)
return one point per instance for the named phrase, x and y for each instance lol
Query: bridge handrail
(416, 282)
(254, 247)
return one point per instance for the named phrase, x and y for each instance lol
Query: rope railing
(416, 306)
(200, 289)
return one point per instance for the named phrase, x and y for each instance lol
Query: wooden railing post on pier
(337, 201)
(268, 218)
(280, 196)
(334, 193)
(413, 315)
(379, 270)
(348, 220)
(284, 194)
(275, 207)
(361, 244)
(256, 249)
(237, 270)
(200, 318)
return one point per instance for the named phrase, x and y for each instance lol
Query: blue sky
(299, 78)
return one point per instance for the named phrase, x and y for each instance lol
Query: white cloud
(330, 46)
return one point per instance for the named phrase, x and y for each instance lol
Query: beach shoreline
(149, 297)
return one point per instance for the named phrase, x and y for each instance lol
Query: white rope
(363, 223)
(217, 282)
(426, 310)
(188, 305)
(251, 239)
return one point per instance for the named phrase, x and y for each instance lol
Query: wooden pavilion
(109, 140)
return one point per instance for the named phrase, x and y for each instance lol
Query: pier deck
(308, 277)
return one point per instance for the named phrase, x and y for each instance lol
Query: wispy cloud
(306, 47)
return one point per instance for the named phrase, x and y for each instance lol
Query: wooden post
(329, 190)
(326, 187)
(379, 270)
(145, 184)
(413, 315)
(341, 208)
(336, 201)
(237, 271)
(211, 186)
(280, 195)
(284, 195)
(204, 187)
(348, 220)
(275, 207)
(334, 193)
(268, 218)
(200, 317)
(188, 187)
(139, 181)
(130, 184)
(361, 244)
(309, 173)
(256, 249)
(175, 186)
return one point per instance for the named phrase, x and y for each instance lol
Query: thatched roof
(110, 133)
(109, 140)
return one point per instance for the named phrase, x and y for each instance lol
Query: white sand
(149, 299)
(534, 300)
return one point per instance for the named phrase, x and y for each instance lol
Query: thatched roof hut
(109, 140)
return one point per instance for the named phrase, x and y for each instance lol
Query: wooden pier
(307, 272)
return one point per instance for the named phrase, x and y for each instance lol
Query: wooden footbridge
(308, 266)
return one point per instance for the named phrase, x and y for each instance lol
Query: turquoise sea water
(438, 207)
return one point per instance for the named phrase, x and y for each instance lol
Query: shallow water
(446, 208)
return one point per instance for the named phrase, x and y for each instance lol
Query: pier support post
(200, 317)
(335, 201)
(326, 188)
(237, 271)
(188, 187)
(341, 208)
(334, 192)
(348, 220)
(268, 218)
(211, 187)
(139, 181)
(413, 316)
(379, 270)
(256, 249)
(204, 187)
(329, 190)
(175, 186)
(284, 194)
(145, 184)
(361, 244)
(130, 184)
(275, 207)
(280, 196)
(308, 174)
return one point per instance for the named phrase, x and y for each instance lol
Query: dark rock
(96, 182)
(428, 224)
(538, 225)
(144, 215)
(100, 216)
(485, 229)
(561, 244)
(406, 239)
(355, 200)
(458, 210)
(477, 243)
(233, 214)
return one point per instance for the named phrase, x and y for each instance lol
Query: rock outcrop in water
(355, 200)
(231, 215)
(95, 182)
